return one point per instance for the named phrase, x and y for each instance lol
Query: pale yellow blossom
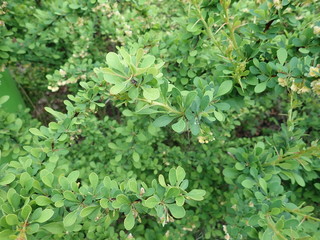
(316, 30)
(277, 4)
(314, 71)
(316, 86)
(282, 82)
(53, 89)
(294, 87)
(62, 72)
(304, 89)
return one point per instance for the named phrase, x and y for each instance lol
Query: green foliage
(225, 93)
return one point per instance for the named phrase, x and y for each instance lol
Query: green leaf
(176, 211)
(180, 173)
(43, 201)
(7, 234)
(70, 196)
(161, 180)
(282, 55)
(189, 99)
(4, 99)
(240, 166)
(94, 180)
(58, 115)
(12, 219)
(263, 184)
(218, 116)
(196, 194)
(172, 176)
(179, 126)
(260, 87)
(113, 61)
(121, 199)
(129, 221)
(117, 88)
(46, 177)
(54, 228)
(13, 198)
(104, 203)
(151, 202)
(135, 156)
(299, 179)
(133, 185)
(36, 132)
(139, 55)
(88, 210)
(147, 61)
(248, 183)
(133, 93)
(151, 93)
(7, 179)
(25, 211)
(180, 200)
(163, 121)
(73, 176)
(224, 88)
(70, 219)
(173, 192)
(230, 173)
(126, 56)
(45, 215)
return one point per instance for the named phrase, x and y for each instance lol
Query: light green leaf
(180, 200)
(7, 179)
(135, 156)
(218, 116)
(45, 215)
(4, 99)
(180, 173)
(248, 183)
(54, 227)
(224, 88)
(121, 199)
(117, 88)
(151, 93)
(70, 196)
(88, 210)
(70, 219)
(179, 126)
(163, 121)
(133, 186)
(129, 221)
(260, 87)
(12, 219)
(104, 203)
(196, 194)
(46, 177)
(147, 61)
(173, 192)
(172, 176)
(282, 55)
(151, 202)
(176, 211)
(25, 211)
(43, 201)
(113, 61)
(299, 179)
(263, 184)
(161, 180)
(94, 180)
(139, 55)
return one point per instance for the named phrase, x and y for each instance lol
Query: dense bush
(223, 93)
